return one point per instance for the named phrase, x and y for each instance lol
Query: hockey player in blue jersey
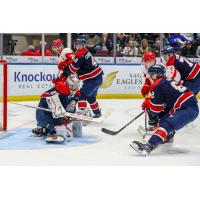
(63, 97)
(175, 105)
(90, 73)
(188, 70)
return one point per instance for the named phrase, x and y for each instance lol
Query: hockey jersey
(168, 96)
(188, 70)
(171, 73)
(85, 65)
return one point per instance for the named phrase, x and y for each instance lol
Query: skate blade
(135, 147)
(58, 140)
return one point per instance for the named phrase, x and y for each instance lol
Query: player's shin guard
(158, 137)
(82, 104)
(95, 109)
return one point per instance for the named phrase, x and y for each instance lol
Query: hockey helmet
(57, 46)
(73, 83)
(159, 70)
(148, 60)
(168, 50)
(149, 56)
(80, 43)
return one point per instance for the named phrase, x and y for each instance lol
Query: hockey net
(3, 95)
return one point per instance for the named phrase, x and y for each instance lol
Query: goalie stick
(110, 132)
(65, 114)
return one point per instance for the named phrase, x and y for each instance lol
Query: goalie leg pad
(77, 129)
(62, 133)
(55, 106)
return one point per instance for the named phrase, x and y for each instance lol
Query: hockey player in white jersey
(65, 55)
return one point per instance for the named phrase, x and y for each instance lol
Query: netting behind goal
(3, 95)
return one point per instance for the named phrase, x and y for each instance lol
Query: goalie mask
(73, 83)
(57, 46)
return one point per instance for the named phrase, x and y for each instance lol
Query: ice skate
(142, 149)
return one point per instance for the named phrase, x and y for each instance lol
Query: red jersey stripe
(92, 74)
(194, 72)
(73, 69)
(162, 133)
(184, 97)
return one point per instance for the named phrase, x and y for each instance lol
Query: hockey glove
(146, 104)
(146, 87)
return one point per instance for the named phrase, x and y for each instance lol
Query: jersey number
(180, 88)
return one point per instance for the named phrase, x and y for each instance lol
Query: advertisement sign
(27, 80)
(122, 79)
(30, 79)
(23, 59)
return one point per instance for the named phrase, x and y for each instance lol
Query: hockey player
(65, 55)
(175, 105)
(149, 60)
(189, 71)
(63, 97)
(87, 69)
(91, 75)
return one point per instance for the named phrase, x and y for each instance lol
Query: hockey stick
(145, 124)
(65, 114)
(110, 132)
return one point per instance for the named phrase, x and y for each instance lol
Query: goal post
(3, 95)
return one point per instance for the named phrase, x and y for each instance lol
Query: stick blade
(109, 132)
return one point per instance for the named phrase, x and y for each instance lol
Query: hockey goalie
(54, 126)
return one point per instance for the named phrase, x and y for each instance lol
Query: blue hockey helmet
(168, 50)
(157, 69)
(81, 42)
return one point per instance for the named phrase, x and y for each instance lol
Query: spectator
(177, 40)
(93, 42)
(198, 52)
(144, 47)
(107, 41)
(135, 37)
(121, 41)
(189, 36)
(47, 51)
(156, 47)
(130, 49)
(188, 50)
(29, 52)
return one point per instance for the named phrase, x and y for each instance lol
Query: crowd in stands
(136, 44)
(130, 44)
(32, 52)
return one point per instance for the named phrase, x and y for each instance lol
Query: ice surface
(19, 147)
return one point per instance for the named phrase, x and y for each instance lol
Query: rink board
(28, 81)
